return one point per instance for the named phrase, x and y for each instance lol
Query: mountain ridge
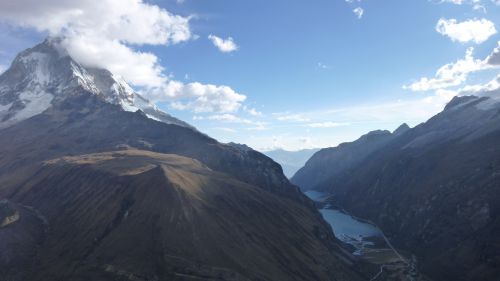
(105, 193)
(46, 72)
(433, 189)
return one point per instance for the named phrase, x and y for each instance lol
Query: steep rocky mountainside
(84, 123)
(434, 189)
(334, 161)
(89, 109)
(46, 74)
(88, 191)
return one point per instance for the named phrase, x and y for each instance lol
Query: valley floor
(367, 243)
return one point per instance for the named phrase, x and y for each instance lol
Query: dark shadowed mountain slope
(435, 190)
(139, 215)
(84, 123)
(128, 211)
(329, 162)
(77, 109)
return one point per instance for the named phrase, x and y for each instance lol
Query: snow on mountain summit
(45, 74)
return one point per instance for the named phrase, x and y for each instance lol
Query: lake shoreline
(366, 242)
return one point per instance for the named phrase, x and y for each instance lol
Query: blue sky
(314, 73)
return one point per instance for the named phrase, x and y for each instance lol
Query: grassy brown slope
(139, 215)
(85, 124)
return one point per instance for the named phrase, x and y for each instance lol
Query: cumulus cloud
(359, 12)
(454, 74)
(138, 68)
(106, 34)
(451, 74)
(224, 45)
(131, 21)
(472, 30)
(203, 98)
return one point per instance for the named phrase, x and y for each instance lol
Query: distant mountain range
(291, 161)
(96, 183)
(433, 189)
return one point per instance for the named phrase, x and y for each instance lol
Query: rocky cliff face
(106, 191)
(434, 189)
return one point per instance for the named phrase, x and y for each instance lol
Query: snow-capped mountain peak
(45, 74)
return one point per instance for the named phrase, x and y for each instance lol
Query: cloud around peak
(107, 34)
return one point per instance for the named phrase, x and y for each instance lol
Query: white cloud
(492, 88)
(451, 74)
(137, 68)
(328, 124)
(105, 34)
(202, 97)
(224, 45)
(130, 21)
(358, 12)
(226, 117)
(476, 4)
(2, 68)
(252, 111)
(474, 30)
(293, 118)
